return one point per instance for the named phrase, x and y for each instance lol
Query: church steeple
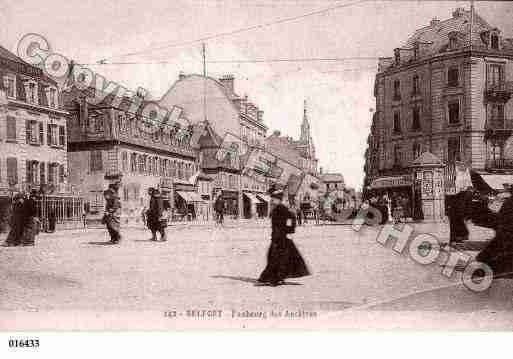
(306, 137)
(305, 127)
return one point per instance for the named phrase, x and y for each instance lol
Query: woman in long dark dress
(283, 258)
(31, 221)
(17, 222)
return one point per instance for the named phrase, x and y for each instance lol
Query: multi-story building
(447, 91)
(230, 119)
(107, 142)
(33, 138)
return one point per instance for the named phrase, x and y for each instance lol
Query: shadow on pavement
(102, 243)
(249, 280)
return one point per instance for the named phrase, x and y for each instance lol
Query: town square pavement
(204, 276)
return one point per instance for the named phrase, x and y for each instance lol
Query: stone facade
(440, 94)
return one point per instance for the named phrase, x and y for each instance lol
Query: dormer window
(397, 56)
(494, 41)
(416, 51)
(453, 43)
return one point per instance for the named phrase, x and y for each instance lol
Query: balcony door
(496, 116)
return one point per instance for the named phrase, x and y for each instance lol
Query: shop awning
(252, 197)
(492, 181)
(264, 197)
(190, 197)
(392, 181)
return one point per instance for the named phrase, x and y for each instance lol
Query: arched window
(173, 169)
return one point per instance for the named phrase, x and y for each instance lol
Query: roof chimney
(260, 115)
(227, 81)
(458, 12)
(435, 21)
(181, 75)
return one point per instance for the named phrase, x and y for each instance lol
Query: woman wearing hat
(112, 216)
(283, 258)
(17, 221)
(30, 219)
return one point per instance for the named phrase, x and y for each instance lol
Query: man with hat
(154, 219)
(283, 258)
(112, 216)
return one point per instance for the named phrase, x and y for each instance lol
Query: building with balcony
(232, 121)
(447, 90)
(33, 139)
(108, 142)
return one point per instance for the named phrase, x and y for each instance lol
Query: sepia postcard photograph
(255, 165)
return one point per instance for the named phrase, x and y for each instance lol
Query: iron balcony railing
(499, 124)
(499, 163)
(499, 91)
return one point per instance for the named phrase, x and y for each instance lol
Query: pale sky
(339, 94)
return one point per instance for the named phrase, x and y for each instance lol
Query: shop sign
(387, 182)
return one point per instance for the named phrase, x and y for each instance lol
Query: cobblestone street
(208, 267)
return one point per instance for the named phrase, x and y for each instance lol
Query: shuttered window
(11, 128)
(41, 134)
(96, 161)
(62, 136)
(12, 170)
(42, 172)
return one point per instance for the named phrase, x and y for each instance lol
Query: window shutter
(11, 128)
(27, 171)
(42, 170)
(20, 89)
(28, 131)
(49, 134)
(43, 101)
(62, 135)
(12, 170)
(41, 134)
(61, 173)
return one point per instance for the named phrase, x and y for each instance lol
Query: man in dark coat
(283, 258)
(219, 208)
(112, 216)
(458, 212)
(498, 254)
(154, 219)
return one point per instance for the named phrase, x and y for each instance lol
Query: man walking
(219, 208)
(154, 219)
(112, 216)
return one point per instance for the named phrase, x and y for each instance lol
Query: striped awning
(190, 197)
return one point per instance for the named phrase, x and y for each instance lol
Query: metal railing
(501, 86)
(499, 163)
(498, 124)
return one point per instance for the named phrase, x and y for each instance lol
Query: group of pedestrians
(24, 221)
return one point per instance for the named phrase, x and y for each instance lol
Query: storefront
(232, 200)
(264, 206)
(399, 191)
(253, 206)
